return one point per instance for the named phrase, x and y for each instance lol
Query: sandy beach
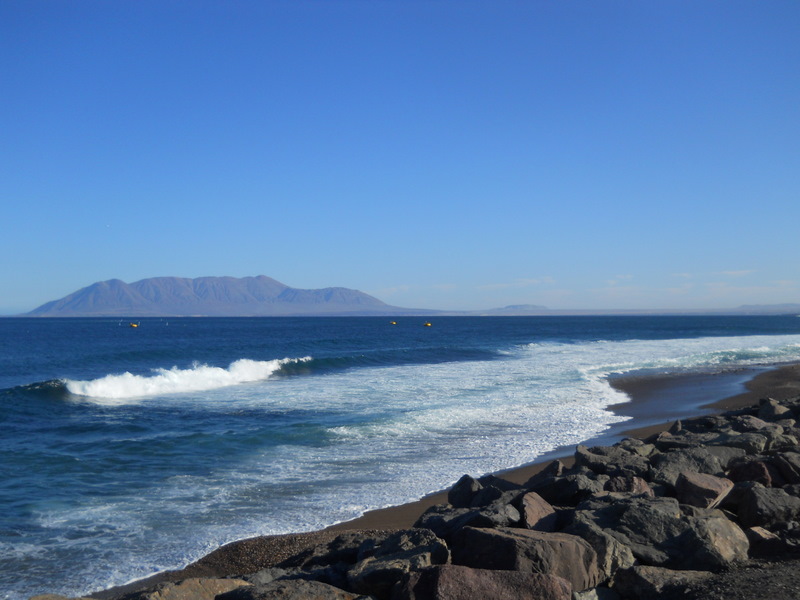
(655, 403)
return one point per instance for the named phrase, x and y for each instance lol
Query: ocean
(131, 450)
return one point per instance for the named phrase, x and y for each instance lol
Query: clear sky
(447, 154)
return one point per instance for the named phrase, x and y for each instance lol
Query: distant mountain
(213, 296)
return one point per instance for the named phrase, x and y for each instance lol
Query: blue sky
(435, 154)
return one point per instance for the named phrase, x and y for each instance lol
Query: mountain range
(213, 296)
(265, 297)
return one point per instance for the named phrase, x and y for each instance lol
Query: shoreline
(651, 409)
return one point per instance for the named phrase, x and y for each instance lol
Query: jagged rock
(455, 582)
(712, 543)
(343, 549)
(598, 593)
(760, 506)
(772, 410)
(760, 471)
(295, 589)
(745, 423)
(554, 469)
(611, 553)
(391, 559)
(726, 455)
(667, 466)
(645, 583)
(611, 460)
(783, 441)
(461, 494)
(537, 513)
(570, 489)
(629, 485)
(788, 464)
(502, 484)
(683, 440)
(190, 589)
(636, 446)
(658, 534)
(643, 525)
(267, 575)
(529, 551)
(751, 443)
(701, 490)
(57, 597)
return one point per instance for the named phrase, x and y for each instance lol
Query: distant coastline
(263, 296)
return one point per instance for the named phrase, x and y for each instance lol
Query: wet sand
(655, 403)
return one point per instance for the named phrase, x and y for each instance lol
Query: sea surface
(125, 451)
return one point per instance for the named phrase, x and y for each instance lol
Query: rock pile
(638, 520)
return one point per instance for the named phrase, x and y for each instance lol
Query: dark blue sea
(130, 450)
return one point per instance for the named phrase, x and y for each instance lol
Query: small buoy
(427, 324)
(392, 322)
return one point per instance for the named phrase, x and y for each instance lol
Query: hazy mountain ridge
(212, 296)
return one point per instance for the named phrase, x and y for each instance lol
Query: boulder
(537, 513)
(701, 490)
(667, 466)
(196, 588)
(745, 423)
(529, 551)
(682, 440)
(760, 506)
(772, 410)
(612, 554)
(455, 582)
(646, 526)
(712, 543)
(461, 494)
(788, 464)
(295, 589)
(659, 534)
(643, 582)
(760, 471)
(611, 460)
(343, 549)
(570, 489)
(751, 443)
(400, 553)
(629, 485)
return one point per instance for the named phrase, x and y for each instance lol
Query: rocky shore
(708, 509)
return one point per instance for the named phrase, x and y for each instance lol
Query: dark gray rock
(528, 551)
(701, 490)
(456, 582)
(537, 513)
(393, 558)
(645, 583)
(772, 410)
(196, 588)
(611, 460)
(760, 506)
(611, 553)
(461, 494)
(667, 466)
(296, 589)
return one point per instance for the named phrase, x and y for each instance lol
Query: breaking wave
(175, 380)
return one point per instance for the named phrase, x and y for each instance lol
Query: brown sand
(258, 553)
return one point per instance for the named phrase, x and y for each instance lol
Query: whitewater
(129, 454)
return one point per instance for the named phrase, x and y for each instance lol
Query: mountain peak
(211, 296)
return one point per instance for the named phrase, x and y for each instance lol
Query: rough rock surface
(453, 582)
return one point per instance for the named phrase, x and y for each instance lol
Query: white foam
(175, 380)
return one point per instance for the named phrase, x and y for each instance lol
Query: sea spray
(174, 381)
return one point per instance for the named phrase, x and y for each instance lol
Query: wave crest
(174, 381)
